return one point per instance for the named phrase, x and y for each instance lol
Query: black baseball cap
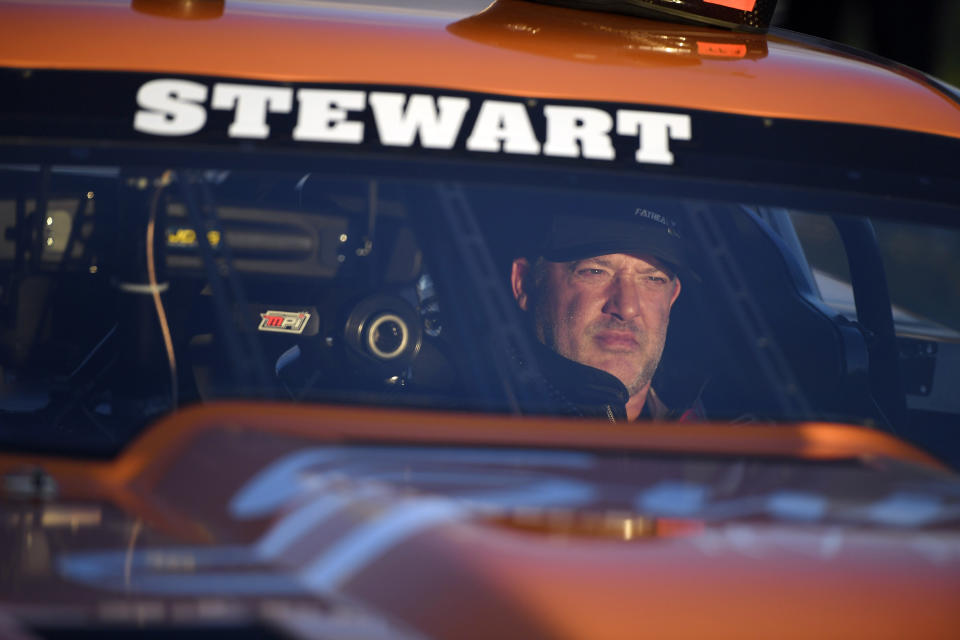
(647, 230)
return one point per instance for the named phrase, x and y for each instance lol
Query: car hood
(363, 523)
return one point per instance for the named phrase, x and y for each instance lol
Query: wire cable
(165, 180)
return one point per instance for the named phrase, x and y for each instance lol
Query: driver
(598, 293)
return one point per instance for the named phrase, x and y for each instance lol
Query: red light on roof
(742, 5)
(739, 15)
(721, 49)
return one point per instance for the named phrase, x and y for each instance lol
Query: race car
(280, 357)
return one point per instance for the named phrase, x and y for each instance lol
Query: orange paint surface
(677, 589)
(512, 48)
(146, 459)
(690, 580)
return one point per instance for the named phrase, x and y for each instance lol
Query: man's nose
(623, 299)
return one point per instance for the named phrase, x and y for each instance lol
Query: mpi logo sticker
(284, 321)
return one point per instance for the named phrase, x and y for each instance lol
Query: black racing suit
(581, 390)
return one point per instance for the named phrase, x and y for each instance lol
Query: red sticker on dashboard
(743, 5)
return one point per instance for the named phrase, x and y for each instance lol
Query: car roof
(512, 48)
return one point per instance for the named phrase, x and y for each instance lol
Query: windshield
(132, 290)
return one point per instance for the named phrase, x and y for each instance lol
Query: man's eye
(657, 279)
(590, 272)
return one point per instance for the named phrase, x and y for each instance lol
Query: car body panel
(348, 521)
(303, 507)
(513, 48)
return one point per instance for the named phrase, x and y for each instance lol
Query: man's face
(609, 312)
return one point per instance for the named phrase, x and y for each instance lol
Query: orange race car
(579, 319)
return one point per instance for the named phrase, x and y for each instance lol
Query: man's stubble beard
(546, 335)
(650, 368)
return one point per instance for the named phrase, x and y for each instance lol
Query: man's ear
(519, 274)
(676, 292)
